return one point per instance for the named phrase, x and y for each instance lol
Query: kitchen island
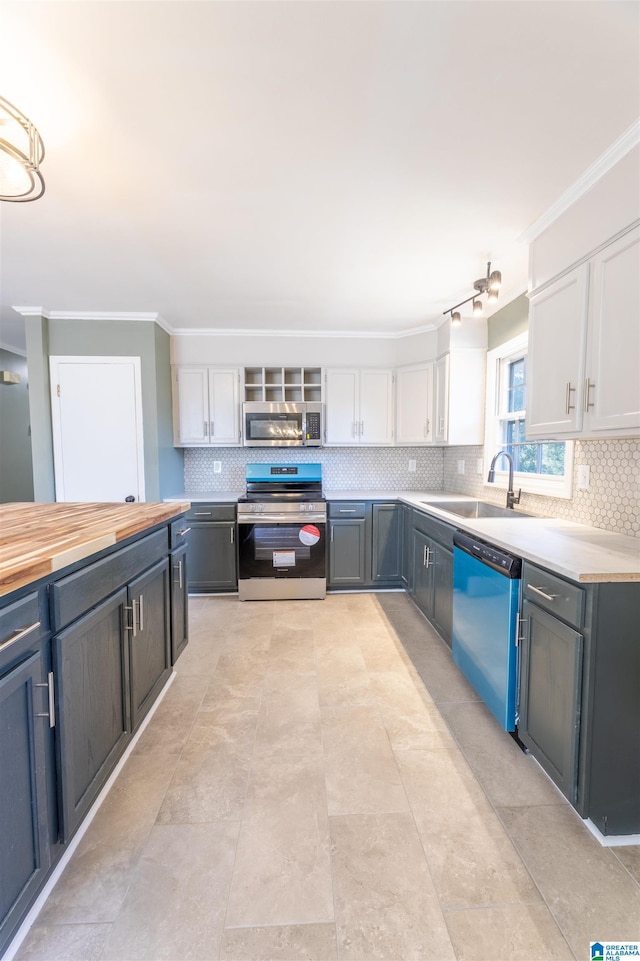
(92, 617)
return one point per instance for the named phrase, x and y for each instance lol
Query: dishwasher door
(486, 599)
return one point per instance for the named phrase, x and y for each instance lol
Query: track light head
(456, 319)
(495, 280)
(477, 308)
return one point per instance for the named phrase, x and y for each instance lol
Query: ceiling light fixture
(21, 153)
(489, 285)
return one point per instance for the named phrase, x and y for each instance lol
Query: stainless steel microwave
(282, 424)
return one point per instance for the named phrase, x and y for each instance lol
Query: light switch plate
(217, 467)
(412, 466)
(461, 467)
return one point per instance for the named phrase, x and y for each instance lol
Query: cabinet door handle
(141, 613)
(232, 531)
(361, 428)
(205, 430)
(569, 406)
(441, 428)
(211, 423)
(332, 533)
(538, 590)
(178, 567)
(51, 713)
(588, 403)
(426, 428)
(354, 429)
(19, 634)
(428, 551)
(132, 626)
(520, 622)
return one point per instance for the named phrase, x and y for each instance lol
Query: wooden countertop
(38, 539)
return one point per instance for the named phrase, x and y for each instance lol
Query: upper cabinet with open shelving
(278, 384)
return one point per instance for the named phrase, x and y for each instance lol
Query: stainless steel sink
(475, 509)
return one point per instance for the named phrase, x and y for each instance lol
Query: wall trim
(629, 139)
(131, 315)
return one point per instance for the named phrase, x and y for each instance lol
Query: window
(541, 467)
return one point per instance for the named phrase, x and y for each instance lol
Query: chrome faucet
(511, 495)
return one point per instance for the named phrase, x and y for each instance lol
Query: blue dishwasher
(486, 598)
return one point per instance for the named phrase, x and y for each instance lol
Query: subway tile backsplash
(612, 502)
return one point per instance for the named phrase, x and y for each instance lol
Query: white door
(96, 412)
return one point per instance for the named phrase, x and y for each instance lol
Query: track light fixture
(489, 285)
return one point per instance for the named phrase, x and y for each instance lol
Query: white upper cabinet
(459, 396)
(612, 383)
(359, 407)
(206, 403)
(414, 405)
(557, 325)
(584, 348)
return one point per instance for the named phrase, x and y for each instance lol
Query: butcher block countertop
(38, 539)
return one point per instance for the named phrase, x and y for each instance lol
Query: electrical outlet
(461, 467)
(412, 467)
(583, 477)
(217, 467)
(480, 466)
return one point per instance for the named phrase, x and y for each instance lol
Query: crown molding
(300, 334)
(114, 315)
(629, 139)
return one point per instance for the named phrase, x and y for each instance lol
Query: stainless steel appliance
(486, 594)
(282, 424)
(282, 533)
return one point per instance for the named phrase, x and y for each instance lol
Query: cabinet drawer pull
(182, 533)
(569, 406)
(51, 713)
(18, 634)
(588, 403)
(202, 513)
(538, 590)
(347, 510)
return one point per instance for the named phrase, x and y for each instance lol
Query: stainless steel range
(282, 533)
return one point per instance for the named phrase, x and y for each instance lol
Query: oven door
(281, 549)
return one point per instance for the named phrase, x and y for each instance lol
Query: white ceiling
(299, 165)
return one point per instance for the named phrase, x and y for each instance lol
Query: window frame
(547, 485)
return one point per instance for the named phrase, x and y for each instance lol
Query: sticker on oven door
(284, 558)
(309, 535)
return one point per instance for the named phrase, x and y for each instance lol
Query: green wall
(163, 464)
(16, 465)
(512, 320)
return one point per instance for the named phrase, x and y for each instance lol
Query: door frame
(54, 362)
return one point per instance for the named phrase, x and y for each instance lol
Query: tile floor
(321, 783)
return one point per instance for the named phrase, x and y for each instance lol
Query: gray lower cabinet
(432, 569)
(94, 714)
(365, 544)
(386, 544)
(149, 638)
(24, 838)
(550, 692)
(179, 602)
(347, 548)
(579, 710)
(213, 564)
(27, 760)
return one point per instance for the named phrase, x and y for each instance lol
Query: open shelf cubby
(277, 384)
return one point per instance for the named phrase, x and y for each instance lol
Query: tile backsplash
(611, 503)
(370, 468)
